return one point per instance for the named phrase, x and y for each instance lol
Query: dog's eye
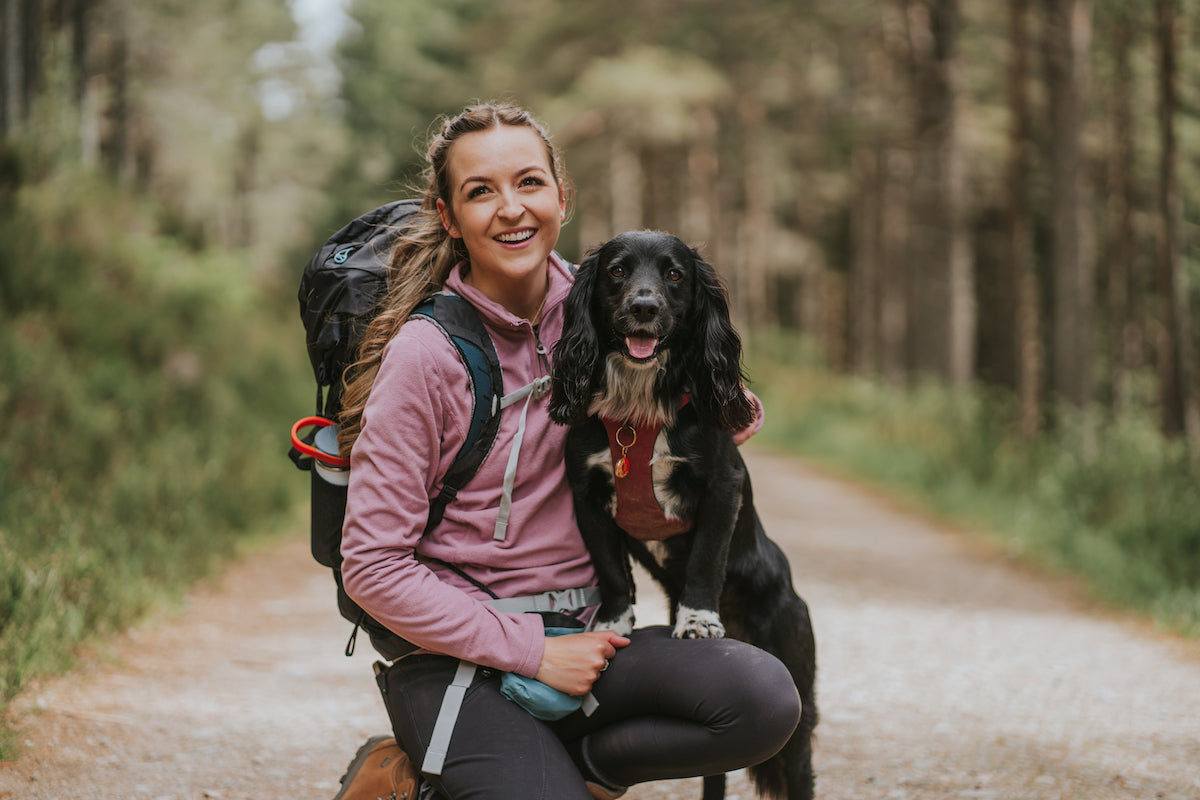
(674, 274)
(617, 271)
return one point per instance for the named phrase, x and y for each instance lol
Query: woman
(496, 198)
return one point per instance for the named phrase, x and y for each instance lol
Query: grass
(1109, 500)
(146, 399)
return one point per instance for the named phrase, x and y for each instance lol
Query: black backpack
(339, 295)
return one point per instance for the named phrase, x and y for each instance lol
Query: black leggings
(669, 708)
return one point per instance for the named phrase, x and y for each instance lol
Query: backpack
(339, 294)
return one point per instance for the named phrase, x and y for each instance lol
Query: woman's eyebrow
(519, 174)
(474, 179)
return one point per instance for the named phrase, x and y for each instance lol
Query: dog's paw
(695, 623)
(622, 625)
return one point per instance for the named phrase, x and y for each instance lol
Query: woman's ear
(577, 353)
(716, 363)
(447, 217)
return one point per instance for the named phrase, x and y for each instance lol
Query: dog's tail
(788, 775)
(770, 778)
(714, 787)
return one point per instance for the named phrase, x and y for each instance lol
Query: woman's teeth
(513, 238)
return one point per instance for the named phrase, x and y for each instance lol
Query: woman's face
(507, 207)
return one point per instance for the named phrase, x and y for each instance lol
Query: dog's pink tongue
(641, 347)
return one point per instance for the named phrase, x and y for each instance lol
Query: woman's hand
(753, 428)
(573, 662)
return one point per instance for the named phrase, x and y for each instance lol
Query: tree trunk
(1124, 341)
(866, 235)
(625, 183)
(701, 213)
(757, 222)
(21, 49)
(11, 67)
(1021, 266)
(895, 224)
(1068, 40)
(876, 309)
(245, 179)
(1178, 411)
(943, 323)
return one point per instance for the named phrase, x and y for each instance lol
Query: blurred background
(960, 237)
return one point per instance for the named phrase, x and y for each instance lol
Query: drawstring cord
(539, 388)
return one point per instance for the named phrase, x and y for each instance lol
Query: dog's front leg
(589, 470)
(610, 558)
(697, 615)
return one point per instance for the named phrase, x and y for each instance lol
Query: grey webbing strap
(529, 392)
(561, 600)
(439, 741)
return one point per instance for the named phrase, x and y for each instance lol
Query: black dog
(648, 374)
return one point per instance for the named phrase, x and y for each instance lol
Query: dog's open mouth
(641, 348)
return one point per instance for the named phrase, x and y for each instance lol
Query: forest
(969, 191)
(997, 200)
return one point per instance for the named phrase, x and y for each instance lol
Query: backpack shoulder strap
(461, 324)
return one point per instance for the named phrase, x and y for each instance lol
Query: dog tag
(621, 468)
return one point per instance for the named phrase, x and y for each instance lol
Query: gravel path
(944, 672)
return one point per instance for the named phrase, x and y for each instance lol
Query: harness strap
(637, 509)
(561, 600)
(439, 741)
(529, 392)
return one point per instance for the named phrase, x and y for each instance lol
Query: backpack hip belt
(560, 600)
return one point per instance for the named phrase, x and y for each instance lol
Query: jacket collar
(497, 316)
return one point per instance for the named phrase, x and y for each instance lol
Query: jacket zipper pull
(541, 351)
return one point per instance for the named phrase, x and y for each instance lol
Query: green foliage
(147, 393)
(1115, 503)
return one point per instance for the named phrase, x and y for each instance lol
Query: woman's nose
(511, 206)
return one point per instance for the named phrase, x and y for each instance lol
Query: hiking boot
(381, 770)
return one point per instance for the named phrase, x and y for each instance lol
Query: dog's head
(645, 304)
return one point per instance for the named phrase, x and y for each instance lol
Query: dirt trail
(944, 672)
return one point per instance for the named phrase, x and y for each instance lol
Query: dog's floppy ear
(577, 352)
(715, 366)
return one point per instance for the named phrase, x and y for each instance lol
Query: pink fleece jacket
(414, 422)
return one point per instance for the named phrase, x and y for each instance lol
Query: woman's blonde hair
(425, 253)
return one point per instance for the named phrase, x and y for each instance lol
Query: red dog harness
(638, 511)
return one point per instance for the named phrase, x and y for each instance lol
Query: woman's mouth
(516, 237)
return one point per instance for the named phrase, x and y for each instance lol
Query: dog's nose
(645, 308)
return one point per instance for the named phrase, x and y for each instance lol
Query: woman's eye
(674, 274)
(476, 191)
(532, 181)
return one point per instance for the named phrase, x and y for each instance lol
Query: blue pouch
(536, 697)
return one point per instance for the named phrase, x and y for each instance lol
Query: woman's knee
(763, 696)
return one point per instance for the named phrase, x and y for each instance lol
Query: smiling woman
(499, 589)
